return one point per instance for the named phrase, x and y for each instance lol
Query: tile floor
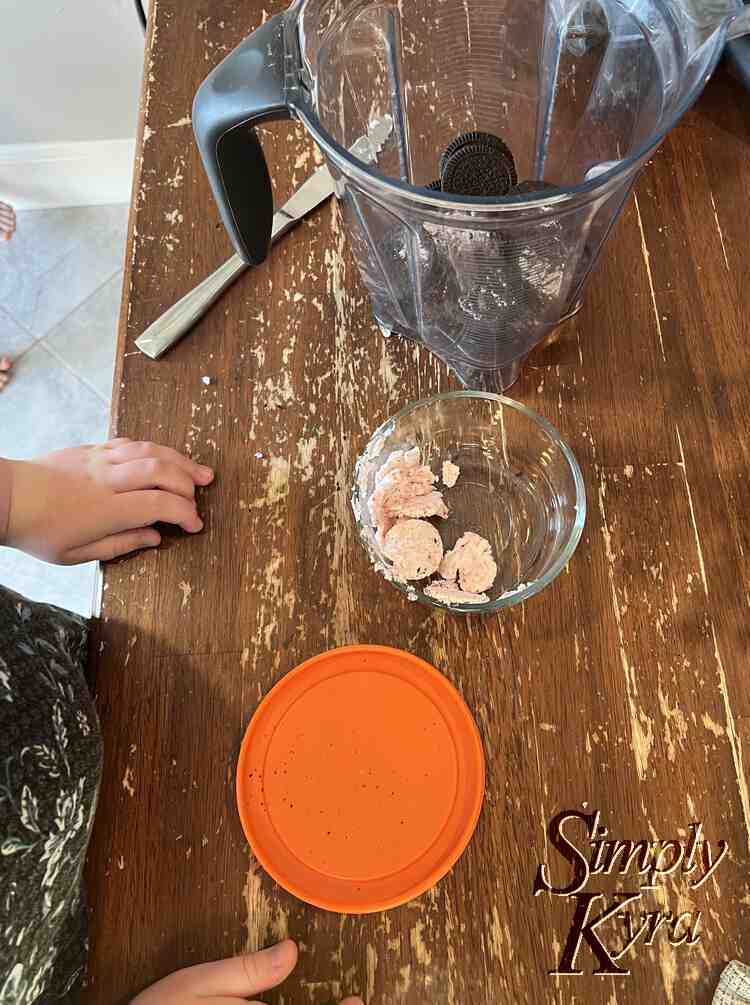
(60, 284)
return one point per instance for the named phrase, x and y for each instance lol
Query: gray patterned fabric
(734, 985)
(50, 769)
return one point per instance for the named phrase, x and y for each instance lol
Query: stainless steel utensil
(180, 318)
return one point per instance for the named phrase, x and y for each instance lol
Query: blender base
(388, 332)
(476, 379)
(571, 313)
(471, 378)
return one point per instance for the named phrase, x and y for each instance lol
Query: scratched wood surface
(621, 688)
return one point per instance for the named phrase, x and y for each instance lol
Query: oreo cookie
(477, 164)
(469, 139)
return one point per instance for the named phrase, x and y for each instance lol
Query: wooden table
(622, 688)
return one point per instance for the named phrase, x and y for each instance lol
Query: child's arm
(5, 477)
(97, 502)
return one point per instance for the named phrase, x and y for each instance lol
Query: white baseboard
(48, 175)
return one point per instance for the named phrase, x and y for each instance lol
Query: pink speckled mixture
(415, 549)
(404, 495)
(451, 472)
(470, 564)
(404, 488)
(449, 593)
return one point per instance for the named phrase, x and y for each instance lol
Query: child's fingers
(147, 506)
(224, 1000)
(114, 546)
(241, 976)
(133, 451)
(150, 473)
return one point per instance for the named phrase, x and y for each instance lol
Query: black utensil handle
(244, 90)
(738, 57)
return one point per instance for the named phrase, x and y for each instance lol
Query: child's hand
(98, 502)
(227, 981)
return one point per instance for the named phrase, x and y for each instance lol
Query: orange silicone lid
(360, 779)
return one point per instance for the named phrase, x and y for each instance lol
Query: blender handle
(247, 88)
(739, 26)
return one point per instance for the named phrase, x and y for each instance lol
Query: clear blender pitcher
(564, 100)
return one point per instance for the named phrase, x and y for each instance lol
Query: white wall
(69, 70)
(70, 74)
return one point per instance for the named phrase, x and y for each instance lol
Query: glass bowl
(520, 487)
